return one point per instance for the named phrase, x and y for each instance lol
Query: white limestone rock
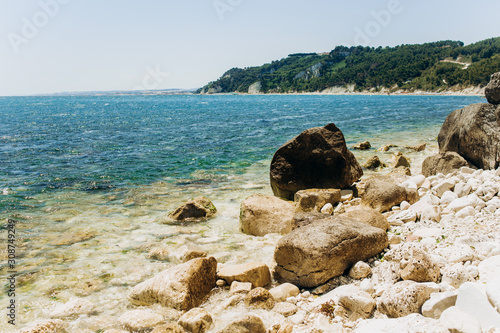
(282, 292)
(140, 320)
(455, 275)
(473, 301)
(404, 298)
(489, 269)
(442, 187)
(462, 189)
(413, 323)
(240, 287)
(360, 270)
(196, 320)
(457, 321)
(493, 292)
(438, 303)
(72, 308)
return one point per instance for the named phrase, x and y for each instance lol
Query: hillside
(432, 67)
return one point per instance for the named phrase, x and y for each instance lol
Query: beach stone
(188, 252)
(256, 273)
(413, 323)
(285, 309)
(464, 212)
(404, 216)
(360, 270)
(140, 320)
(247, 324)
(419, 267)
(262, 214)
(382, 193)
(458, 253)
(462, 189)
(427, 208)
(417, 148)
(429, 232)
(444, 163)
(327, 209)
(457, 321)
(404, 298)
(73, 238)
(493, 292)
(260, 298)
(400, 161)
(358, 305)
(282, 292)
(492, 90)
(442, 187)
(472, 200)
(312, 200)
(386, 148)
(373, 163)
(194, 209)
(49, 326)
(438, 303)
(346, 195)
(158, 253)
(169, 328)
(313, 254)
(240, 287)
(473, 301)
(316, 158)
(474, 133)
(362, 145)
(74, 307)
(182, 287)
(447, 198)
(366, 215)
(196, 320)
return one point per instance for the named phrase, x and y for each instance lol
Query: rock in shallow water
(316, 158)
(181, 287)
(196, 320)
(247, 324)
(256, 273)
(313, 254)
(197, 208)
(140, 320)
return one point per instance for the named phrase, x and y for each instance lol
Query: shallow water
(90, 180)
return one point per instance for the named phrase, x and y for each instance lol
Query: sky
(49, 46)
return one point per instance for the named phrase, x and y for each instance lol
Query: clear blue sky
(84, 45)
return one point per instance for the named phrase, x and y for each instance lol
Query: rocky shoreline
(391, 253)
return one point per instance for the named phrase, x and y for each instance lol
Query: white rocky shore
(440, 273)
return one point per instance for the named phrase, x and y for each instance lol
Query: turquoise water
(97, 143)
(90, 181)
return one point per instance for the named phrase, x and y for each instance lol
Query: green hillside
(430, 67)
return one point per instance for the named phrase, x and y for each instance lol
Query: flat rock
(489, 269)
(256, 273)
(413, 323)
(313, 254)
(285, 309)
(140, 320)
(72, 308)
(240, 287)
(262, 214)
(366, 215)
(316, 158)
(247, 324)
(182, 287)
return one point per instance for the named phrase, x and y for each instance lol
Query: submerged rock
(182, 287)
(262, 214)
(313, 254)
(362, 145)
(198, 208)
(316, 158)
(49, 326)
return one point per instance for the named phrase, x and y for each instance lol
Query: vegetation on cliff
(433, 67)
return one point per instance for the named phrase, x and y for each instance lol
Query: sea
(87, 183)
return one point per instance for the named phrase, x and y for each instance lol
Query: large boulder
(367, 215)
(194, 209)
(181, 287)
(262, 214)
(492, 90)
(314, 253)
(444, 163)
(474, 133)
(316, 158)
(382, 193)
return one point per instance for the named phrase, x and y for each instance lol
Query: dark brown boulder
(316, 158)
(317, 252)
(442, 163)
(474, 133)
(492, 90)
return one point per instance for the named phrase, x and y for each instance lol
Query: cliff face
(432, 67)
